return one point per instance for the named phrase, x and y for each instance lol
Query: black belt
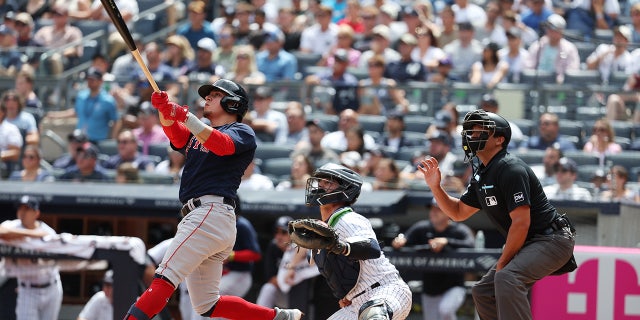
(36, 285)
(196, 203)
(559, 223)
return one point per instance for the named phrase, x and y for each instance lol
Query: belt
(559, 223)
(37, 285)
(197, 202)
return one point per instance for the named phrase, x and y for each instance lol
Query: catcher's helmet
(492, 125)
(348, 189)
(235, 100)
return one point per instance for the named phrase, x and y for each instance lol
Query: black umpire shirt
(505, 184)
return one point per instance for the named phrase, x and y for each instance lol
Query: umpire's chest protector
(341, 272)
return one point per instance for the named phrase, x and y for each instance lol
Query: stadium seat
(627, 159)
(266, 151)
(306, 59)
(537, 78)
(582, 78)
(582, 158)
(330, 121)
(277, 167)
(108, 147)
(531, 156)
(528, 127)
(372, 123)
(417, 123)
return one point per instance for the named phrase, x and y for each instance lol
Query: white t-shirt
(318, 41)
(9, 136)
(553, 192)
(97, 308)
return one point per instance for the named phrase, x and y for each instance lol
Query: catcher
(346, 251)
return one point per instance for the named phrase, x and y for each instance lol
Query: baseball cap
(445, 62)
(93, 73)
(77, 136)
(390, 10)
(513, 32)
(395, 115)
(381, 30)
(409, 39)
(341, 55)
(556, 22)
(10, 15)
(146, 108)
(263, 92)
(283, 222)
(89, 149)
(29, 201)
(488, 100)
(273, 36)
(350, 158)
(207, 44)
(24, 18)
(317, 123)
(108, 277)
(624, 31)
(442, 136)
(196, 6)
(567, 164)
(443, 119)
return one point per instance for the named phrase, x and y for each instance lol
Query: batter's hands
(174, 111)
(159, 99)
(431, 172)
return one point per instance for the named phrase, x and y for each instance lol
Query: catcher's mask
(347, 189)
(478, 126)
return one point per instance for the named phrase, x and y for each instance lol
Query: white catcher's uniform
(377, 273)
(39, 286)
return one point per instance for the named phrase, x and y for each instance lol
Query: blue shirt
(194, 36)
(532, 20)
(95, 114)
(246, 239)
(283, 67)
(206, 173)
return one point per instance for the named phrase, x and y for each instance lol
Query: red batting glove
(174, 111)
(159, 99)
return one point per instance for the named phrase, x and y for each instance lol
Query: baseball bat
(118, 21)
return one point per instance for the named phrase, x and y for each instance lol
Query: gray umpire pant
(504, 294)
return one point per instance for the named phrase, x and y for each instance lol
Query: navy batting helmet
(235, 100)
(491, 124)
(348, 189)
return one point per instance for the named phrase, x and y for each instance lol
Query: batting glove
(174, 111)
(159, 99)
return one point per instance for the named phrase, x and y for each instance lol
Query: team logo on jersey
(491, 201)
(518, 197)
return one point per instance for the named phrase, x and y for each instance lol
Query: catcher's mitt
(315, 234)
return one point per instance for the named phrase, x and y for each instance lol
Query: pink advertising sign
(604, 287)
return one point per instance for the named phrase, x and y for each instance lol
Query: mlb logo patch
(491, 201)
(518, 197)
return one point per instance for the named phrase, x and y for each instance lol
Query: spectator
(586, 16)
(443, 74)
(465, 50)
(270, 125)
(24, 88)
(128, 152)
(127, 172)
(447, 119)
(337, 140)
(546, 172)
(254, 181)
(296, 122)
(380, 45)
(178, 54)
(377, 94)
(352, 17)
(427, 51)
(393, 139)
(275, 63)
(492, 30)
(244, 68)
(301, 170)
(345, 36)
(490, 104)
(139, 88)
(553, 53)
(31, 170)
(291, 28)
(242, 22)
(618, 189)
(449, 28)
(511, 20)
(86, 168)
(406, 69)
(313, 149)
(387, 176)
(75, 140)
(10, 144)
(128, 10)
(125, 66)
(57, 35)
(514, 54)
(321, 36)
(149, 131)
(565, 187)
(36, 279)
(338, 83)
(24, 27)
(238, 267)
(15, 114)
(616, 106)
(443, 293)
(412, 19)
(369, 15)
(635, 22)
(173, 165)
(536, 15)
(36, 9)
(225, 53)
(95, 109)
(615, 57)
(490, 70)
(602, 141)
(469, 12)
(100, 305)
(197, 28)
(10, 56)
(203, 69)
(548, 135)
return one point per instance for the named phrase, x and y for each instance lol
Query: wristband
(599, 15)
(348, 251)
(194, 124)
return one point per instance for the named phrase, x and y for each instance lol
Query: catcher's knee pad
(376, 309)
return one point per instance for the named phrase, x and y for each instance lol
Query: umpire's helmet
(492, 125)
(348, 189)
(235, 100)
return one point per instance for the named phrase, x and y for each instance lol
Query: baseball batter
(39, 286)
(216, 157)
(367, 284)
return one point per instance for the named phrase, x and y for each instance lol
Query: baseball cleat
(287, 314)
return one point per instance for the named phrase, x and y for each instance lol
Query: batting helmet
(235, 100)
(491, 124)
(348, 189)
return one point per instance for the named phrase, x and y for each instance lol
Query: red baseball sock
(233, 307)
(155, 297)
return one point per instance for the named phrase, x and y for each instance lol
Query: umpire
(539, 241)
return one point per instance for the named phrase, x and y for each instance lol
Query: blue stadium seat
(266, 151)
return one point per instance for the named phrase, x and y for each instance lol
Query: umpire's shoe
(287, 314)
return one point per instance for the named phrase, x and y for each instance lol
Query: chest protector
(341, 272)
